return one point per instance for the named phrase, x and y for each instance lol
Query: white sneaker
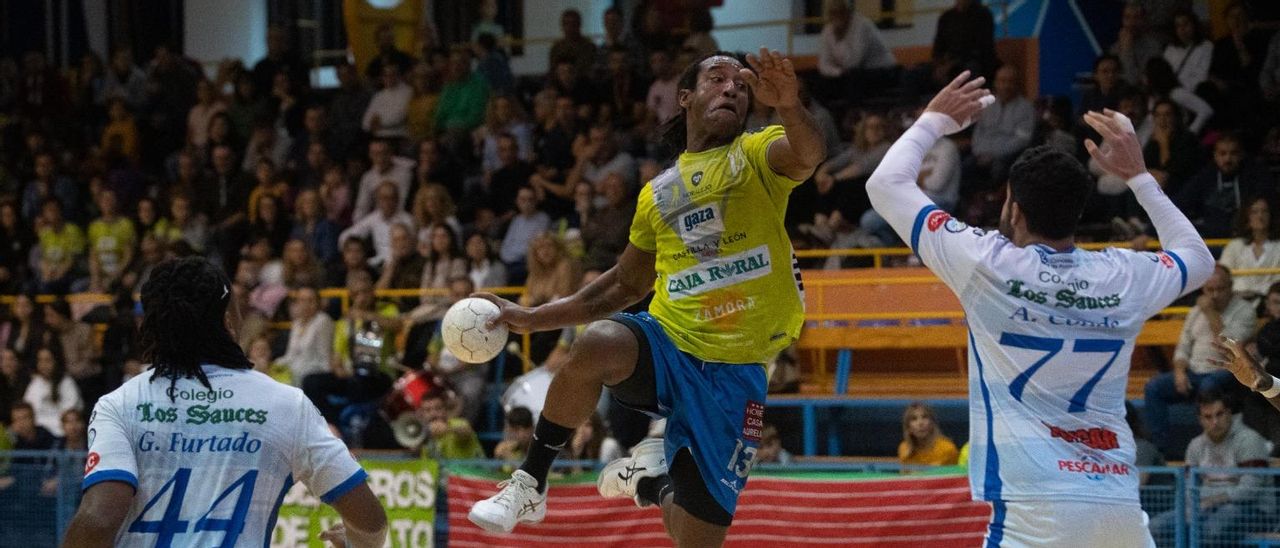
(619, 478)
(518, 501)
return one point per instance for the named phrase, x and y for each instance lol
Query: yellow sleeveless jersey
(728, 287)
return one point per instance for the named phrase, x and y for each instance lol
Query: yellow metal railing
(877, 255)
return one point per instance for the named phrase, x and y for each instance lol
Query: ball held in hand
(464, 332)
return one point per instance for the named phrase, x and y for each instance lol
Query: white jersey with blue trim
(1050, 333)
(1050, 337)
(211, 467)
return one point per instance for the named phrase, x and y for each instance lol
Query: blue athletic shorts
(714, 409)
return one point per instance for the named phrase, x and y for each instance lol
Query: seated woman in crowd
(922, 442)
(483, 266)
(841, 199)
(444, 261)
(24, 330)
(1256, 245)
(1162, 84)
(433, 205)
(51, 391)
(552, 272)
(1172, 155)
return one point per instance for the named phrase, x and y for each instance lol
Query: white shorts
(1067, 524)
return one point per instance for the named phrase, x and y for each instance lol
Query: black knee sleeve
(639, 391)
(691, 491)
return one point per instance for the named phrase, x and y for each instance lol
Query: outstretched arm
(893, 187)
(773, 79)
(619, 287)
(1247, 370)
(1121, 155)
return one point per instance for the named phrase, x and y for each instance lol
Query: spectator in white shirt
(1005, 128)
(1256, 245)
(51, 392)
(851, 53)
(483, 268)
(1189, 53)
(1217, 313)
(388, 111)
(384, 166)
(310, 336)
(377, 225)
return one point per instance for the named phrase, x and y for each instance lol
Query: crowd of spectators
(437, 171)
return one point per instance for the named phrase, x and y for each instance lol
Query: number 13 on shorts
(744, 456)
(743, 459)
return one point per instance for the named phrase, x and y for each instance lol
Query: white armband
(1272, 392)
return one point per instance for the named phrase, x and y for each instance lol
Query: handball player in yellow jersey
(708, 240)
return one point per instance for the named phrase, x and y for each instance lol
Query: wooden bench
(908, 329)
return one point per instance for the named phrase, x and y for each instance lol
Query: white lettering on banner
(720, 272)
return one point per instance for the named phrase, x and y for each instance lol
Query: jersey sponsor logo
(737, 160)
(703, 226)
(732, 485)
(151, 413)
(720, 310)
(709, 248)
(1093, 467)
(92, 462)
(753, 422)
(698, 217)
(696, 179)
(202, 414)
(1063, 298)
(719, 273)
(1056, 260)
(1165, 259)
(1067, 298)
(210, 396)
(954, 226)
(936, 219)
(1098, 438)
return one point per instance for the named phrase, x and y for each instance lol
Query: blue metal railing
(39, 492)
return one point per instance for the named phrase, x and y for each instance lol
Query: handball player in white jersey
(1051, 326)
(200, 450)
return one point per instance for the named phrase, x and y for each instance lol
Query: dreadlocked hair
(673, 134)
(183, 327)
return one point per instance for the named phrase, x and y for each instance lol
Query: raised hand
(1120, 153)
(773, 79)
(1238, 361)
(961, 100)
